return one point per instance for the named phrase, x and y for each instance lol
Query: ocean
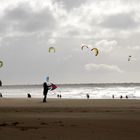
(75, 91)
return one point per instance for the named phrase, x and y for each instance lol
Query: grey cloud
(40, 21)
(21, 12)
(72, 32)
(3, 27)
(103, 68)
(26, 58)
(130, 1)
(121, 21)
(70, 4)
(132, 40)
(24, 19)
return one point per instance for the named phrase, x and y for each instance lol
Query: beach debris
(28, 95)
(96, 51)
(51, 49)
(1, 63)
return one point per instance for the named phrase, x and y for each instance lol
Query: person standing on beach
(45, 91)
(87, 96)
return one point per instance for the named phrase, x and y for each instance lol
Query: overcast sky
(29, 27)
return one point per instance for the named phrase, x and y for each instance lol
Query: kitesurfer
(121, 97)
(113, 96)
(87, 96)
(45, 91)
(0, 83)
(1, 95)
(28, 95)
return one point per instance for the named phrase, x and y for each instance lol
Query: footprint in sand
(27, 128)
(73, 125)
(15, 123)
(62, 125)
(43, 123)
(3, 124)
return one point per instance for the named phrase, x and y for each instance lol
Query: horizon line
(72, 83)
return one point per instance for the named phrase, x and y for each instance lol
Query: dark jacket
(45, 88)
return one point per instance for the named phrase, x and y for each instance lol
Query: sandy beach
(69, 119)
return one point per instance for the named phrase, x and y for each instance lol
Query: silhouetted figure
(1, 95)
(29, 95)
(113, 96)
(126, 97)
(45, 91)
(0, 83)
(57, 95)
(60, 96)
(87, 96)
(121, 97)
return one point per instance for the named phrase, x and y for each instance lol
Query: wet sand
(66, 119)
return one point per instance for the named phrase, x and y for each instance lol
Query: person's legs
(44, 100)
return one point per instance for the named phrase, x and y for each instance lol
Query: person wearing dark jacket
(0, 83)
(45, 91)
